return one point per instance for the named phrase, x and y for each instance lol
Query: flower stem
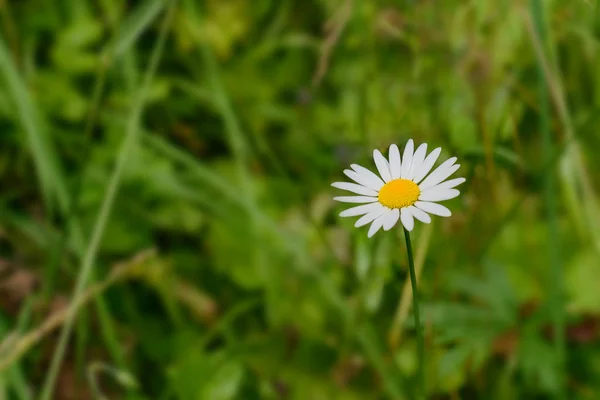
(420, 345)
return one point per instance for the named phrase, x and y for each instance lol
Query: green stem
(416, 313)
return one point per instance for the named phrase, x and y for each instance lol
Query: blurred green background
(182, 152)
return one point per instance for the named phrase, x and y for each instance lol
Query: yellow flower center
(399, 193)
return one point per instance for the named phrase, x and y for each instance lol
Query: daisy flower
(404, 189)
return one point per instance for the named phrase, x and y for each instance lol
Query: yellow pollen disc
(399, 193)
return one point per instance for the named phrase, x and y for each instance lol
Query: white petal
(433, 208)
(420, 215)
(366, 172)
(426, 165)
(395, 162)
(407, 158)
(354, 188)
(371, 181)
(382, 165)
(365, 219)
(449, 184)
(360, 210)
(418, 159)
(407, 218)
(434, 194)
(391, 217)
(441, 173)
(355, 199)
(376, 225)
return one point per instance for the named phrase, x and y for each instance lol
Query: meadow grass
(209, 132)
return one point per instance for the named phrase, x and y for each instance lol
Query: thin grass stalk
(597, 18)
(417, 316)
(574, 177)
(75, 209)
(127, 146)
(556, 278)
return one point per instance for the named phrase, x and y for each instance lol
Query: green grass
(89, 259)
(210, 131)
(555, 287)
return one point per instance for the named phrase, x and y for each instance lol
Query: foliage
(257, 289)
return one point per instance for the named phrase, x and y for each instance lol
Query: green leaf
(582, 280)
(135, 24)
(50, 176)
(225, 382)
(72, 52)
(538, 363)
(451, 368)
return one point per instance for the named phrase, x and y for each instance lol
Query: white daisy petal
(369, 217)
(407, 218)
(441, 173)
(367, 173)
(448, 184)
(354, 188)
(382, 165)
(435, 194)
(391, 217)
(413, 164)
(433, 208)
(371, 181)
(418, 159)
(355, 199)
(426, 165)
(420, 215)
(407, 158)
(395, 162)
(360, 210)
(376, 225)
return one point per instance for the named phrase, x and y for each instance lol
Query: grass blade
(127, 146)
(51, 179)
(137, 23)
(556, 278)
